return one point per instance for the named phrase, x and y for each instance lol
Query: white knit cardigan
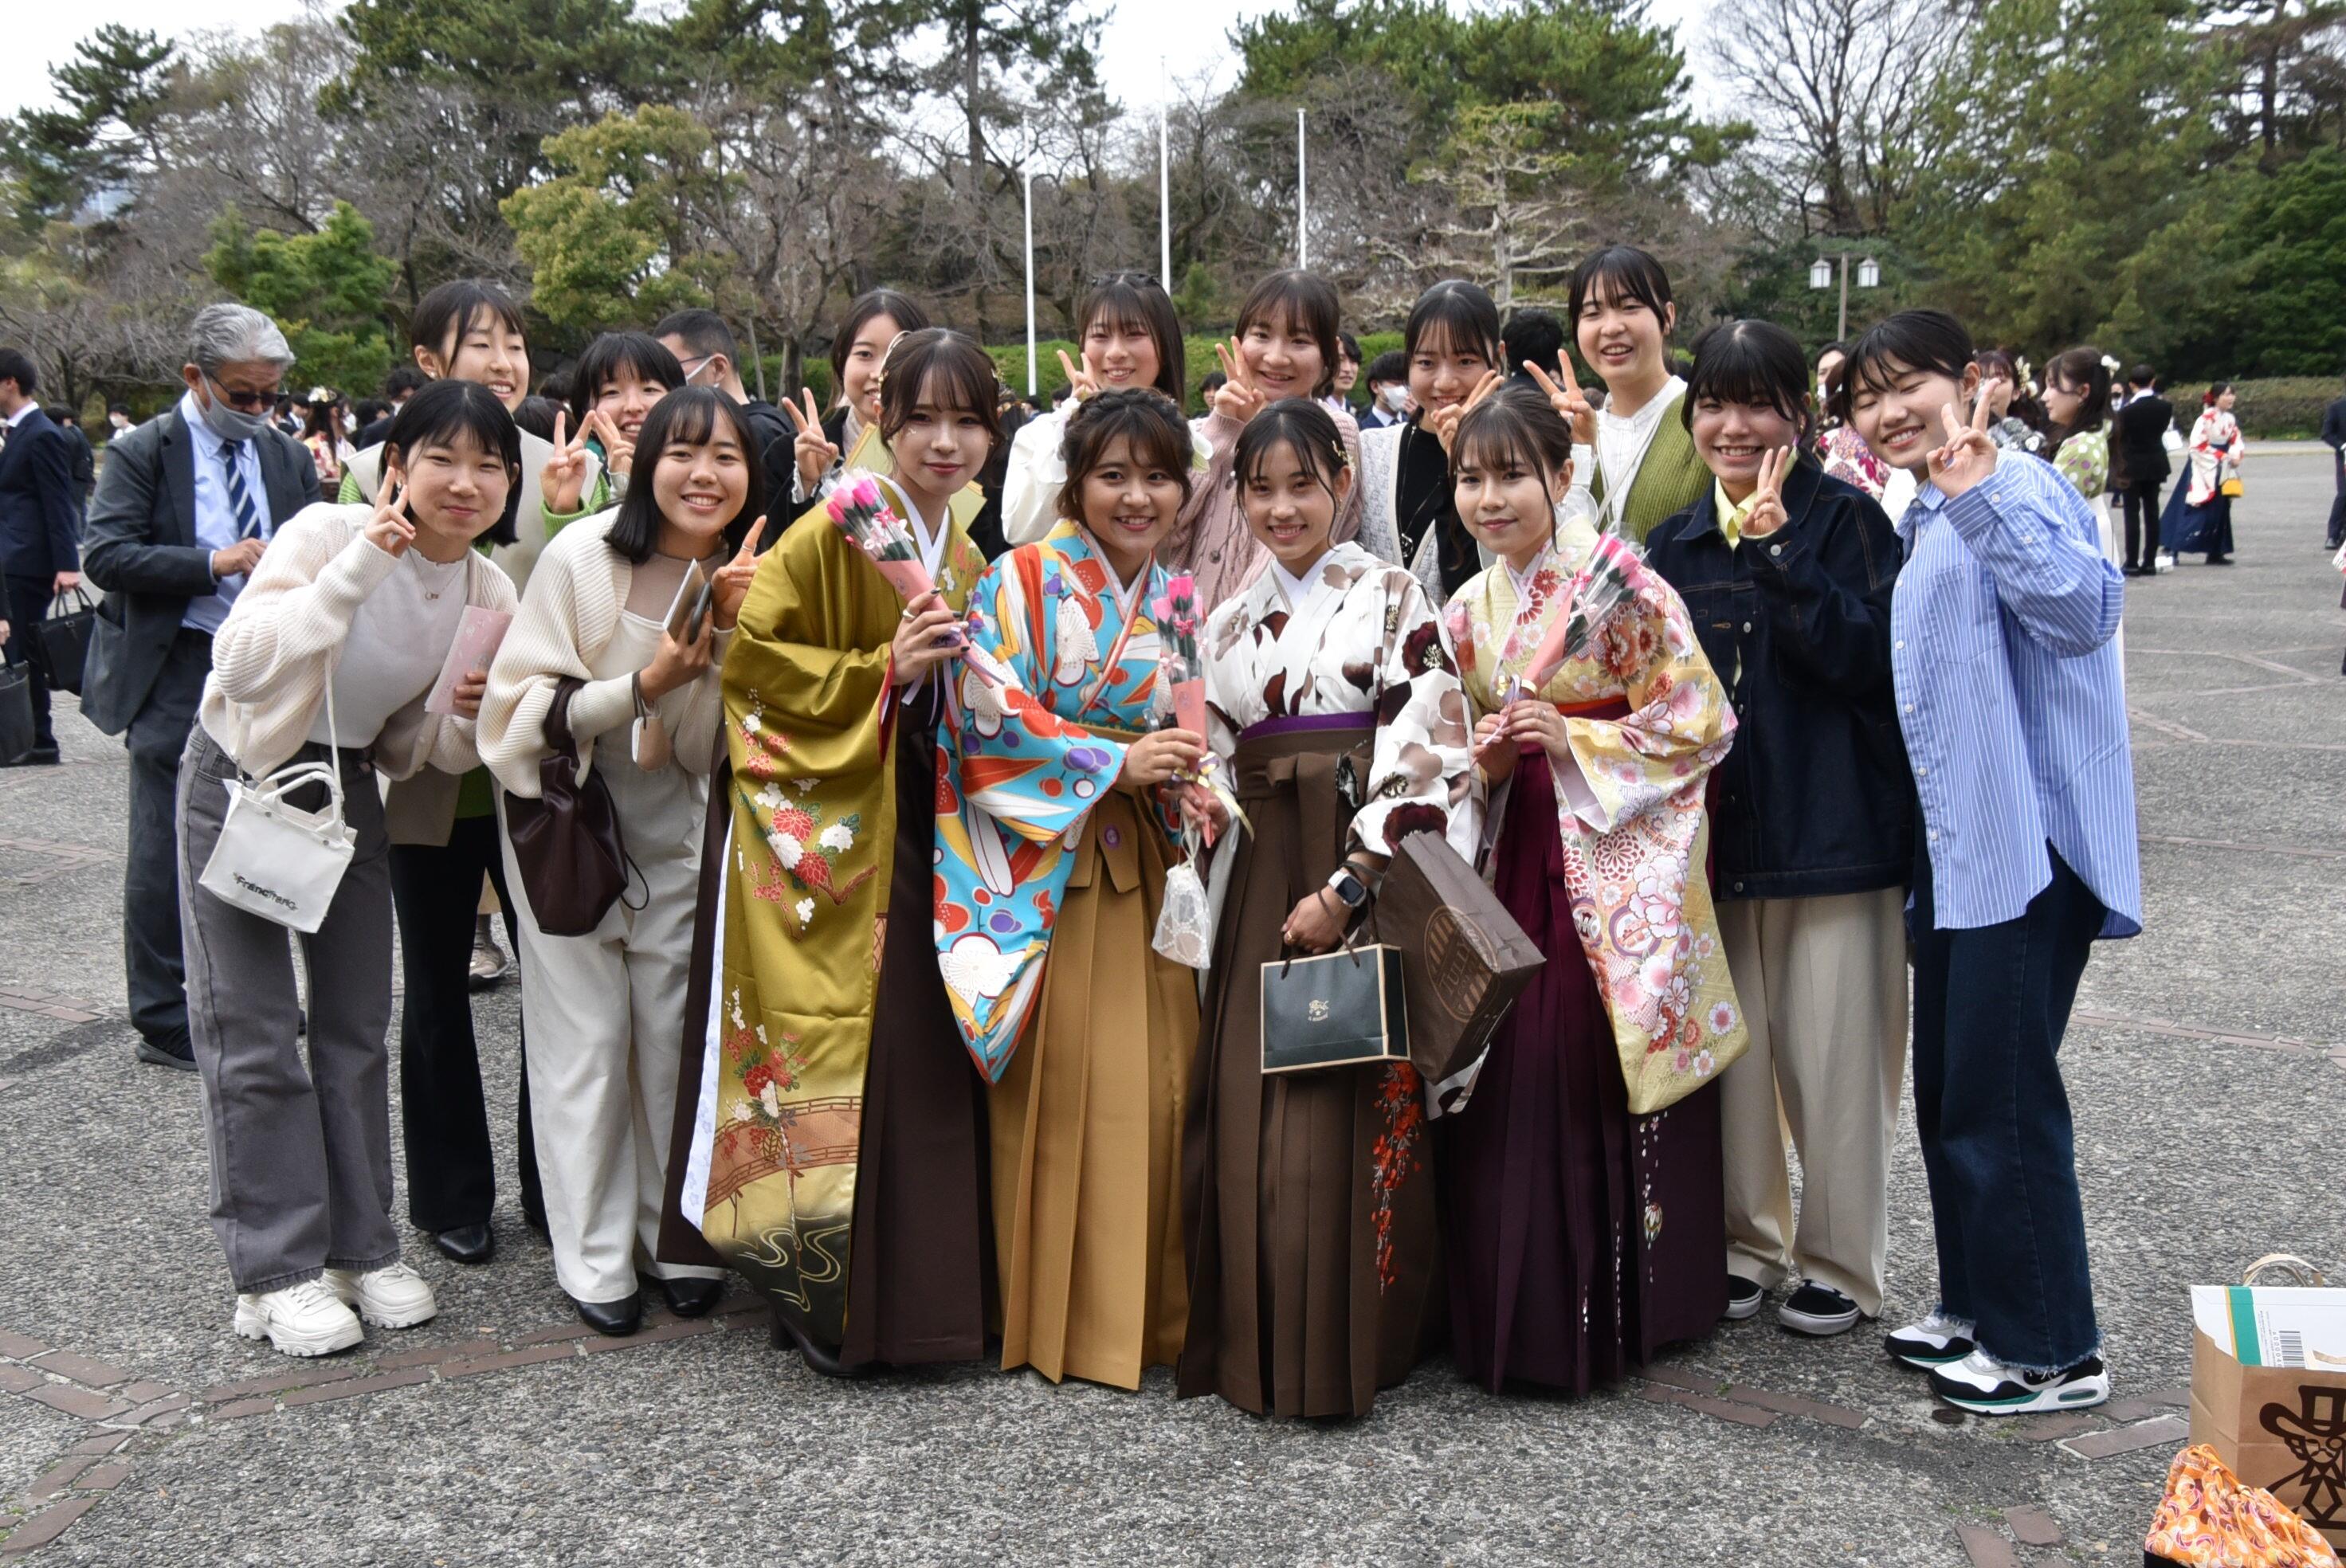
(568, 616)
(270, 657)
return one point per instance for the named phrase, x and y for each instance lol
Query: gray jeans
(300, 1153)
(150, 879)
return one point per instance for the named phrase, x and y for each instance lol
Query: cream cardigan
(568, 616)
(270, 657)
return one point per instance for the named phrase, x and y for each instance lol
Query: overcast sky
(1145, 42)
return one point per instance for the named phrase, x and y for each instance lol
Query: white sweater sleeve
(1030, 488)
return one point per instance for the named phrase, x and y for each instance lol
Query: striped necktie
(247, 520)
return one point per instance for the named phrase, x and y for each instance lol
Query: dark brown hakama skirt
(1309, 1196)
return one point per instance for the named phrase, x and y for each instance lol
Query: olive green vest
(1672, 478)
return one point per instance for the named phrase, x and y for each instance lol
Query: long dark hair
(1136, 301)
(2082, 369)
(1462, 314)
(1146, 419)
(866, 308)
(687, 417)
(446, 412)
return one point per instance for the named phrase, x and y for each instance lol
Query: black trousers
(151, 959)
(2337, 534)
(443, 1116)
(2142, 503)
(26, 605)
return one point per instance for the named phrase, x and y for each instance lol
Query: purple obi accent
(1299, 723)
(1111, 836)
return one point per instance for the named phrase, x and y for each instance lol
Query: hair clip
(880, 376)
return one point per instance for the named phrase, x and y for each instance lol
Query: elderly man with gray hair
(183, 511)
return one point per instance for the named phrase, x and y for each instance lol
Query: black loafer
(465, 1243)
(617, 1318)
(174, 1053)
(786, 1335)
(1743, 1298)
(692, 1298)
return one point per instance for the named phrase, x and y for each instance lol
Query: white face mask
(1397, 399)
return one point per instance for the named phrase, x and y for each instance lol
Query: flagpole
(1164, 203)
(1302, 245)
(1028, 174)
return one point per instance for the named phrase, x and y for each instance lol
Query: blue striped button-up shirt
(2010, 695)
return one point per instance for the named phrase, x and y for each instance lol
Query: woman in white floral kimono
(1583, 1220)
(1310, 1196)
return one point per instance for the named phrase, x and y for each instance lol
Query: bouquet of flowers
(862, 510)
(1183, 669)
(1611, 575)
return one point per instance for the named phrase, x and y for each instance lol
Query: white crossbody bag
(275, 860)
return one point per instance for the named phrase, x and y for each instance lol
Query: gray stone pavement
(2207, 1064)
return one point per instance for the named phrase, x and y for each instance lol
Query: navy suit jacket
(143, 552)
(39, 504)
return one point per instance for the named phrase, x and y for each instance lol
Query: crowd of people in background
(1848, 698)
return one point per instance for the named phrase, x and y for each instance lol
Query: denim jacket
(1815, 798)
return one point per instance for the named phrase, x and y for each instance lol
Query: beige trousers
(1822, 984)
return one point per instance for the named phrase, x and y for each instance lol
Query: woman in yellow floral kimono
(1054, 841)
(1582, 1203)
(837, 1154)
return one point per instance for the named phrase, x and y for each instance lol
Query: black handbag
(1339, 1009)
(64, 640)
(574, 864)
(16, 734)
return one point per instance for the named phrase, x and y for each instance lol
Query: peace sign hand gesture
(618, 452)
(563, 480)
(1767, 513)
(1081, 383)
(1970, 453)
(388, 531)
(1567, 400)
(1443, 422)
(731, 583)
(1239, 400)
(815, 452)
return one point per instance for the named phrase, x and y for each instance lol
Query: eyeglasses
(244, 402)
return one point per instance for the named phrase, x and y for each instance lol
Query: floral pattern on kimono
(1641, 902)
(2215, 454)
(1018, 774)
(1370, 644)
(1846, 457)
(2083, 461)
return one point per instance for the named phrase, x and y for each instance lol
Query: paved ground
(2206, 1065)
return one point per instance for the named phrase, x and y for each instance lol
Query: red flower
(796, 823)
(756, 1079)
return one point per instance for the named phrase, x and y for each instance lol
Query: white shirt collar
(22, 415)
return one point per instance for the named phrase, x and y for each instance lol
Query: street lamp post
(1821, 276)
(1302, 245)
(1164, 203)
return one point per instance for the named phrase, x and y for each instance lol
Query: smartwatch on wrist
(1347, 885)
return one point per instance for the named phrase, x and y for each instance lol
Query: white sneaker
(392, 1297)
(304, 1319)
(1986, 1385)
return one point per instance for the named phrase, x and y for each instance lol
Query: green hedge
(2280, 408)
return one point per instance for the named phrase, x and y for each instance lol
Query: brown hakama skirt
(1086, 1125)
(1312, 1250)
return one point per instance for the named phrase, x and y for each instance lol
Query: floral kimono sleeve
(1422, 759)
(1679, 722)
(1014, 759)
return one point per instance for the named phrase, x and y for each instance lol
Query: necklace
(449, 570)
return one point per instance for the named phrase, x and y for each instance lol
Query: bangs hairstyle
(1929, 340)
(1516, 426)
(1305, 302)
(2219, 390)
(1462, 314)
(964, 373)
(445, 315)
(693, 416)
(1621, 272)
(1146, 419)
(1298, 423)
(2082, 369)
(614, 355)
(866, 309)
(451, 412)
(1755, 363)
(1136, 302)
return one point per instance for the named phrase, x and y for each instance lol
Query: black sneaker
(1986, 1385)
(1818, 1311)
(173, 1052)
(1935, 1341)
(1743, 1299)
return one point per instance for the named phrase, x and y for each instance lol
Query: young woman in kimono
(1053, 839)
(1285, 346)
(1310, 1196)
(838, 1152)
(1641, 465)
(1583, 1219)
(1451, 341)
(2198, 515)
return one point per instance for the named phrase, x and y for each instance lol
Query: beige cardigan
(568, 617)
(270, 657)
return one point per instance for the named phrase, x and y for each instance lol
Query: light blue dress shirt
(216, 522)
(2011, 696)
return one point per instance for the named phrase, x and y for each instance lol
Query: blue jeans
(1990, 1006)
